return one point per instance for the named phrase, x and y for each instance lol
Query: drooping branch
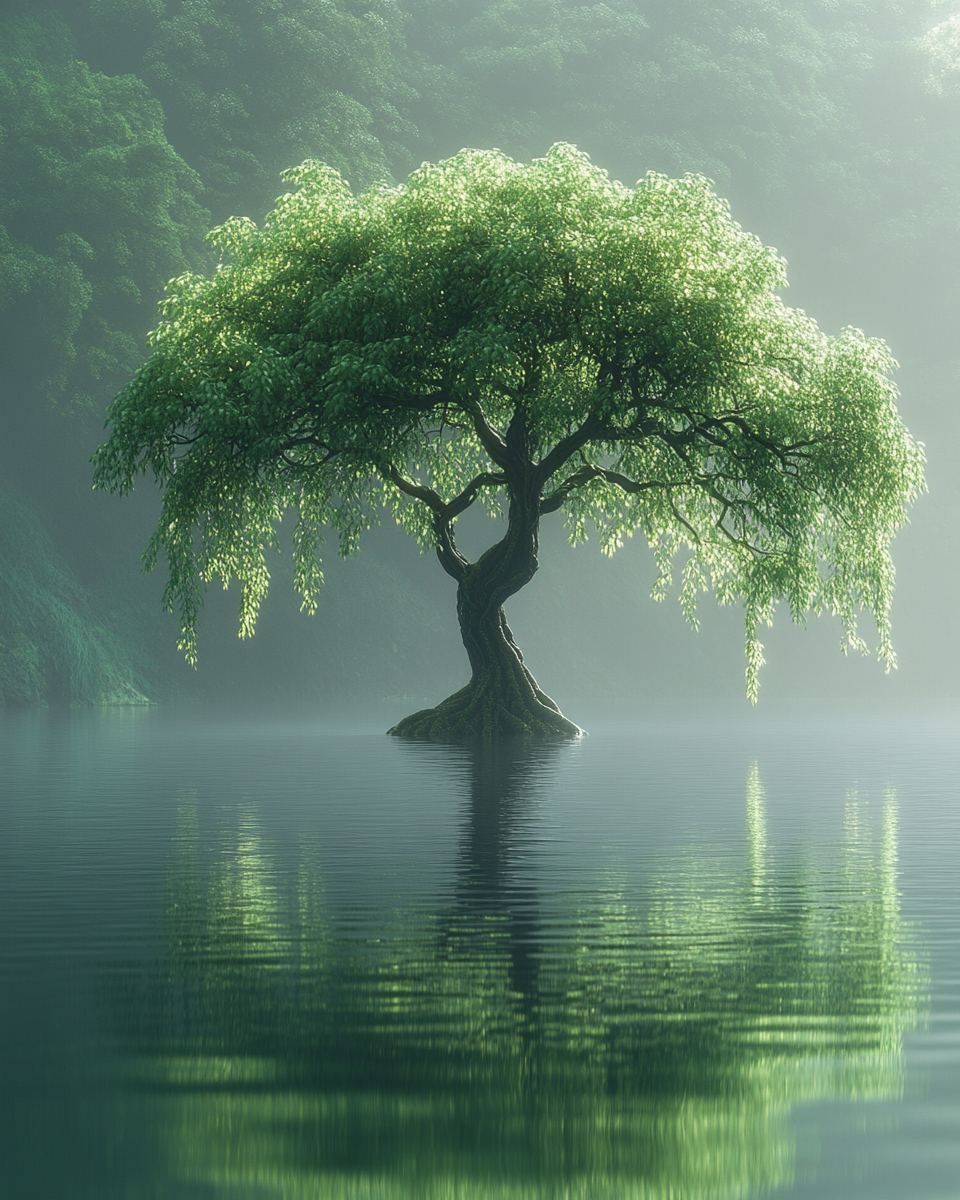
(295, 443)
(446, 511)
(716, 430)
(588, 472)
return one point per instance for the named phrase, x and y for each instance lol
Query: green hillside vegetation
(98, 211)
(53, 647)
(250, 89)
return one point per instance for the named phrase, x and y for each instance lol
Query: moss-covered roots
(478, 713)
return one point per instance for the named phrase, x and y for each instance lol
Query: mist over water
(282, 954)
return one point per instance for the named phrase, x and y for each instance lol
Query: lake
(279, 955)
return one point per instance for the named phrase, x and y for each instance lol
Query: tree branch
(426, 495)
(491, 441)
(589, 472)
(453, 562)
(462, 502)
(566, 447)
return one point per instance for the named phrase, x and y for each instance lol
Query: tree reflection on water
(516, 1043)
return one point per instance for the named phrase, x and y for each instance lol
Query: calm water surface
(277, 956)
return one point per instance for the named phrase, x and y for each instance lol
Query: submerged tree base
(478, 714)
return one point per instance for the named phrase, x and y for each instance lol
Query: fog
(832, 131)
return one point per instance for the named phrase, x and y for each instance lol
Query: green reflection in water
(519, 1045)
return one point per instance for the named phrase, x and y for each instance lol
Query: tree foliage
(536, 336)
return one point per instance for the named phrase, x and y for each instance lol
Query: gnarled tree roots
(483, 713)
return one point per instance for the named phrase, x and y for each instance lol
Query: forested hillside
(129, 127)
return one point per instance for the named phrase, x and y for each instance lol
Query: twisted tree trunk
(502, 698)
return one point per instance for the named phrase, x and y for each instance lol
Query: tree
(536, 337)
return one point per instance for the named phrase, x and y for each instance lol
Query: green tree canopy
(535, 337)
